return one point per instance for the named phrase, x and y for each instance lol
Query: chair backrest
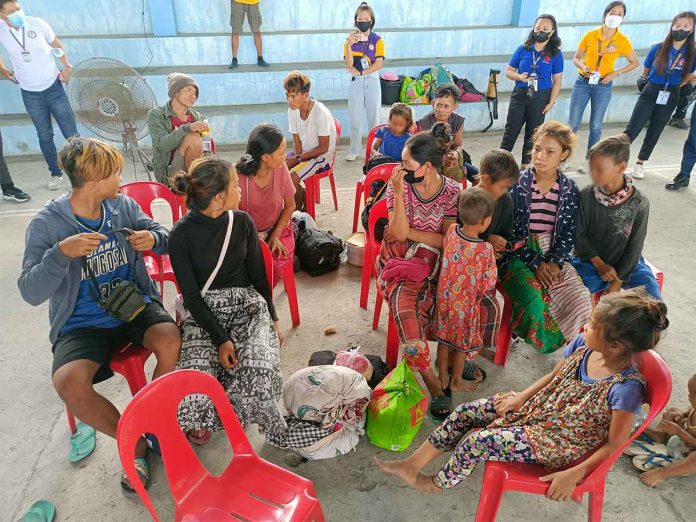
(378, 210)
(268, 262)
(154, 410)
(380, 172)
(339, 128)
(658, 390)
(370, 140)
(145, 192)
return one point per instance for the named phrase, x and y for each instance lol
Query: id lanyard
(671, 68)
(534, 86)
(601, 54)
(26, 55)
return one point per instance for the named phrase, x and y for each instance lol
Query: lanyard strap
(535, 61)
(671, 68)
(601, 54)
(23, 45)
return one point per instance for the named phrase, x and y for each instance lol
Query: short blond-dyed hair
(297, 81)
(87, 159)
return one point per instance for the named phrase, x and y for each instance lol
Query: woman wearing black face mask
(536, 67)
(363, 53)
(422, 205)
(669, 65)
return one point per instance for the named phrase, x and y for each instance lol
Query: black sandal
(440, 407)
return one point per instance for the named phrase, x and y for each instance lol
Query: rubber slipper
(470, 371)
(439, 404)
(153, 443)
(200, 440)
(650, 462)
(82, 442)
(143, 469)
(40, 511)
(645, 446)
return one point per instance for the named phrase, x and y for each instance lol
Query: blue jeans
(642, 275)
(41, 106)
(689, 157)
(598, 96)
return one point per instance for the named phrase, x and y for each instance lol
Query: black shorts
(98, 344)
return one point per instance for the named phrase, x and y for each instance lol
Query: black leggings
(527, 111)
(5, 179)
(647, 110)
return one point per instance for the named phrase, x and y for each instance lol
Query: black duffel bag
(319, 252)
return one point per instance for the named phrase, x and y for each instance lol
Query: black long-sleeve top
(195, 243)
(502, 221)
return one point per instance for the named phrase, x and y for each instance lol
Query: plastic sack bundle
(396, 410)
(355, 360)
(332, 399)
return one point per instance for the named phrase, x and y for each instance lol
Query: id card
(594, 78)
(365, 63)
(26, 56)
(662, 97)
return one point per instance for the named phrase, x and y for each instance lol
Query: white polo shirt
(31, 42)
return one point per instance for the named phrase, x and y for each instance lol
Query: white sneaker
(638, 171)
(55, 183)
(351, 157)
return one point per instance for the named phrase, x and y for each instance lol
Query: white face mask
(613, 21)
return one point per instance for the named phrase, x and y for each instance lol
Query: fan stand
(132, 147)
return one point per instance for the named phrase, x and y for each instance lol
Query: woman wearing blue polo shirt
(363, 53)
(669, 65)
(536, 67)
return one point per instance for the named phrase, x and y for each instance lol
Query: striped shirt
(542, 215)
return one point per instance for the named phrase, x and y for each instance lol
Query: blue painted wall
(310, 33)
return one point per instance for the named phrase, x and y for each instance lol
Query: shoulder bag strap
(225, 244)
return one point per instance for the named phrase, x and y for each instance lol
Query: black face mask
(363, 27)
(410, 177)
(541, 36)
(680, 35)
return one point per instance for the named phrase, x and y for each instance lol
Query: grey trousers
(5, 178)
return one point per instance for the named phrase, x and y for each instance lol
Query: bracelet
(620, 73)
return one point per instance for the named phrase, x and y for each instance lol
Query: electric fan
(112, 100)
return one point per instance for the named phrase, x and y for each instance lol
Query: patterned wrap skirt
(255, 384)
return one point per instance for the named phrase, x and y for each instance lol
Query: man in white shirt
(313, 133)
(33, 46)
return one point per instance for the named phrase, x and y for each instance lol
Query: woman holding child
(422, 206)
(268, 193)
(549, 301)
(231, 331)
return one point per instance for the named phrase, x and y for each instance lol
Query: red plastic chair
(383, 173)
(288, 277)
(500, 477)
(359, 187)
(379, 210)
(312, 196)
(159, 267)
(250, 488)
(129, 361)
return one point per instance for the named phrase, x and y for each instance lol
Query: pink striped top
(543, 209)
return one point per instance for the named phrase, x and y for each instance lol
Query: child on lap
(613, 224)
(588, 401)
(467, 272)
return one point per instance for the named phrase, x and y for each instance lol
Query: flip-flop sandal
(645, 446)
(439, 404)
(82, 442)
(200, 440)
(143, 469)
(153, 443)
(40, 511)
(469, 373)
(652, 461)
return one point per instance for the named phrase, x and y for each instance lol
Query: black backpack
(327, 357)
(319, 252)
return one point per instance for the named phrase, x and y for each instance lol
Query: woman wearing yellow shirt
(595, 59)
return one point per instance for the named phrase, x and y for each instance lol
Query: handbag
(182, 313)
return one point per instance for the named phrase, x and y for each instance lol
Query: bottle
(207, 140)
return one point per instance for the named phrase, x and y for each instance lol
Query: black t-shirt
(194, 249)
(503, 219)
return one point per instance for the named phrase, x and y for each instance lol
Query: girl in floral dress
(587, 402)
(467, 273)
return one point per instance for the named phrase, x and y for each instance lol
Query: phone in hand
(360, 37)
(125, 231)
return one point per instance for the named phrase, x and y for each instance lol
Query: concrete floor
(34, 439)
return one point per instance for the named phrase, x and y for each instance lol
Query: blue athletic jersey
(109, 264)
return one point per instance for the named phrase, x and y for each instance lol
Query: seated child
(499, 172)
(467, 272)
(588, 401)
(458, 162)
(678, 431)
(613, 224)
(390, 140)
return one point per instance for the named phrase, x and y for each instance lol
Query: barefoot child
(467, 272)
(678, 431)
(390, 141)
(613, 224)
(588, 401)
